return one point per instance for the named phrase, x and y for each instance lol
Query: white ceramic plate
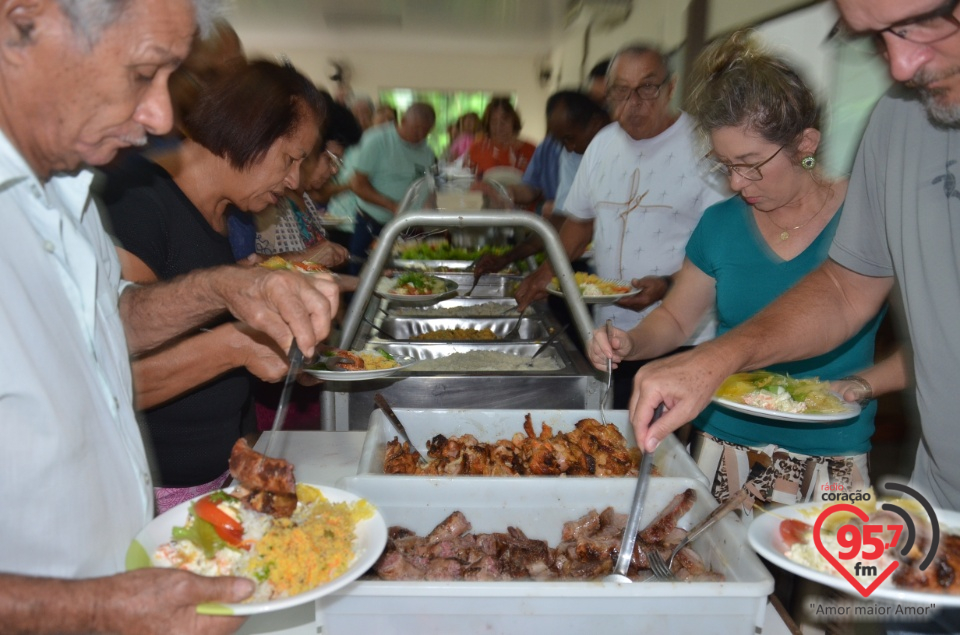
(850, 411)
(360, 375)
(385, 284)
(369, 544)
(598, 299)
(764, 536)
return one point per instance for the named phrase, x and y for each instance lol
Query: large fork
(663, 570)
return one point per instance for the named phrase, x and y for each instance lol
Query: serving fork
(663, 569)
(514, 332)
(606, 389)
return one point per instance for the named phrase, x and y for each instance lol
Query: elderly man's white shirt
(645, 198)
(74, 477)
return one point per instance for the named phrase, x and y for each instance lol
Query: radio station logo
(862, 545)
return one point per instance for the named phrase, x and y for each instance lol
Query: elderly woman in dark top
(247, 136)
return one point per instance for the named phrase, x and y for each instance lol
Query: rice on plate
(284, 556)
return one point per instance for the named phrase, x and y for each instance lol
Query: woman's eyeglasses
(749, 172)
(334, 160)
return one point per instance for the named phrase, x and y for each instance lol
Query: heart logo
(862, 515)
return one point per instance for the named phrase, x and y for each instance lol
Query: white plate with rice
(850, 410)
(321, 372)
(590, 296)
(370, 538)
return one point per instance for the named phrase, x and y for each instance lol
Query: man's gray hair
(636, 49)
(89, 18)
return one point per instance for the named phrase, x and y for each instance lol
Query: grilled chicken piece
(257, 472)
(355, 363)
(664, 524)
(399, 458)
(943, 574)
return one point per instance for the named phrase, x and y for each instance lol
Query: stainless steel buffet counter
(575, 385)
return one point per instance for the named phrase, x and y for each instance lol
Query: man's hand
(285, 305)
(684, 383)
(533, 288)
(163, 601)
(654, 288)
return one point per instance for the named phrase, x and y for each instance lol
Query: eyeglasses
(336, 161)
(926, 28)
(749, 172)
(644, 92)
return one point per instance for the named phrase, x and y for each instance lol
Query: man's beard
(936, 101)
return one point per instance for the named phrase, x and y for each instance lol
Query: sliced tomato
(794, 531)
(230, 530)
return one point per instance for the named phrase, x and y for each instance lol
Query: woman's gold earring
(808, 163)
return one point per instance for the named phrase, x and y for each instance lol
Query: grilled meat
(592, 448)
(588, 551)
(943, 574)
(265, 484)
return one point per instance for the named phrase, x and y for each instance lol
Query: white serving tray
(671, 459)
(539, 507)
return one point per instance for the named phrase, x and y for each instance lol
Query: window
(448, 105)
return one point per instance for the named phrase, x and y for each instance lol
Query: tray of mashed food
(470, 357)
(924, 573)
(461, 329)
(511, 443)
(526, 556)
(297, 542)
(776, 396)
(459, 307)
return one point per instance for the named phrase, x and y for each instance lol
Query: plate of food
(304, 266)
(297, 542)
(415, 287)
(785, 538)
(363, 365)
(596, 290)
(776, 396)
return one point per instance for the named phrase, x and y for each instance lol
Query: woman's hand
(616, 348)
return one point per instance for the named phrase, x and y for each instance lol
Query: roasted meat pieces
(588, 550)
(591, 449)
(943, 574)
(266, 485)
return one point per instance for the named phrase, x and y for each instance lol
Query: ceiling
(506, 26)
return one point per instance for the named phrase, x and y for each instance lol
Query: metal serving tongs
(550, 340)
(395, 420)
(296, 365)
(629, 539)
(606, 389)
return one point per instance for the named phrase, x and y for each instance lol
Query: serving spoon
(629, 539)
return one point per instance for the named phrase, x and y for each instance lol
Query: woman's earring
(808, 162)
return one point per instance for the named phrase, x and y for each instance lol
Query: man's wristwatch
(864, 385)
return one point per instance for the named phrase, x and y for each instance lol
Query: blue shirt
(543, 172)
(728, 247)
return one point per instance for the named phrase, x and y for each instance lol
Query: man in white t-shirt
(637, 195)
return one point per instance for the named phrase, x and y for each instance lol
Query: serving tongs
(629, 540)
(378, 329)
(395, 420)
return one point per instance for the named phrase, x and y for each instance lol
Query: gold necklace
(785, 233)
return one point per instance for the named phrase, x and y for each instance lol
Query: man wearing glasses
(638, 194)
(901, 224)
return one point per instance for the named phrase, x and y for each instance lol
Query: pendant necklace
(785, 231)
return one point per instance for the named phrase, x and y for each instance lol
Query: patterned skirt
(774, 475)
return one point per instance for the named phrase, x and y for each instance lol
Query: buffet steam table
(323, 458)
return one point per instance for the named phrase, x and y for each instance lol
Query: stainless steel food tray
(451, 306)
(539, 507)
(436, 350)
(444, 266)
(406, 328)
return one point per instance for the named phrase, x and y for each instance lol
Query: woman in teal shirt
(763, 124)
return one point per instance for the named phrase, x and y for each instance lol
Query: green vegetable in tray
(446, 251)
